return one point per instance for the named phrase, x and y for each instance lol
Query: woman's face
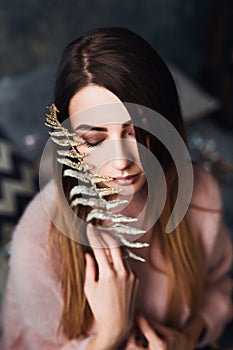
(104, 128)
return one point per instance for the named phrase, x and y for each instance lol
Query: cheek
(82, 149)
(96, 158)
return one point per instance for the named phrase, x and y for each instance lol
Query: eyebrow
(99, 128)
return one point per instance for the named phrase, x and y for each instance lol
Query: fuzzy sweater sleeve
(33, 302)
(216, 249)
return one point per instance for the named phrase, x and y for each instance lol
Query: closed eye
(89, 144)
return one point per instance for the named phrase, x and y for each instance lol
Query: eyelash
(88, 144)
(91, 145)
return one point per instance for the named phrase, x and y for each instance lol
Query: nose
(121, 163)
(122, 157)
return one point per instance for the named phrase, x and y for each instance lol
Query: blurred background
(194, 37)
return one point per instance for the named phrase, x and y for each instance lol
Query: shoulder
(206, 207)
(206, 192)
(206, 221)
(29, 249)
(39, 209)
(31, 232)
(33, 286)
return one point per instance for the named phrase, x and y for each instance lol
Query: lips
(126, 180)
(124, 177)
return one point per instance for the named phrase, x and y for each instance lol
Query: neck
(133, 209)
(135, 204)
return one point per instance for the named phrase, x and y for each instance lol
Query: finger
(132, 344)
(115, 252)
(140, 337)
(162, 330)
(167, 334)
(98, 250)
(127, 264)
(134, 295)
(90, 270)
(106, 248)
(152, 337)
(132, 339)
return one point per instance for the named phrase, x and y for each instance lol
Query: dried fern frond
(61, 133)
(121, 229)
(97, 202)
(71, 154)
(80, 170)
(108, 215)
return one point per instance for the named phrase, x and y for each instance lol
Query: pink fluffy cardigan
(33, 301)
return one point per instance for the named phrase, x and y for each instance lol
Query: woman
(84, 297)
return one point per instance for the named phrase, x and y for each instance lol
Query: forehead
(96, 105)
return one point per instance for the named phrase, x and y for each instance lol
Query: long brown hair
(124, 63)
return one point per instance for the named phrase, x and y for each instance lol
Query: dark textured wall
(34, 32)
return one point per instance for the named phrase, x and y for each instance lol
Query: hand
(112, 296)
(134, 344)
(136, 340)
(160, 337)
